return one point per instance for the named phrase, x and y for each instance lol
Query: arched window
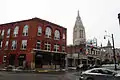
(15, 33)
(48, 32)
(57, 35)
(25, 30)
(63, 36)
(39, 31)
(81, 33)
(3, 31)
(8, 33)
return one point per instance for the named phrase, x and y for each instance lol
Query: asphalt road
(36, 76)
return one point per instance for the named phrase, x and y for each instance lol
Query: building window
(16, 31)
(3, 31)
(25, 30)
(47, 46)
(14, 44)
(63, 36)
(81, 33)
(0, 31)
(38, 44)
(57, 35)
(48, 32)
(56, 47)
(39, 31)
(6, 45)
(24, 44)
(4, 58)
(63, 48)
(1, 45)
(8, 33)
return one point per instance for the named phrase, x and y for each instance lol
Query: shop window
(4, 59)
(63, 48)
(38, 44)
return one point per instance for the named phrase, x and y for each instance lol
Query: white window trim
(47, 45)
(64, 36)
(63, 48)
(39, 44)
(3, 32)
(25, 30)
(24, 44)
(57, 35)
(8, 33)
(6, 45)
(1, 45)
(4, 60)
(15, 33)
(56, 47)
(48, 34)
(39, 31)
(13, 45)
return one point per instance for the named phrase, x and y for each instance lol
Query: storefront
(49, 60)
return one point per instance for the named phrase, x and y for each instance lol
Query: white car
(99, 74)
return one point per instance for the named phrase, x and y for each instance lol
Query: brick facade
(31, 38)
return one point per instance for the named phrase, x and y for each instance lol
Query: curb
(33, 71)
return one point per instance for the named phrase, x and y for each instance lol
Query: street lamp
(113, 49)
(119, 17)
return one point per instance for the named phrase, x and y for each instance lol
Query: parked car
(82, 67)
(10, 68)
(99, 74)
(111, 66)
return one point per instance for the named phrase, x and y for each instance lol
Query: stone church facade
(79, 36)
(80, 52)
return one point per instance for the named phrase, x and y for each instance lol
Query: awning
(22, 56)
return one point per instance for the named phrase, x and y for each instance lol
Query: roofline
(32, 19)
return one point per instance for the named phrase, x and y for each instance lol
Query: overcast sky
(97, 15)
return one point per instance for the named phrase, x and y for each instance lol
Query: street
(37, 76)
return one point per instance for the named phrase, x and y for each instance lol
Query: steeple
(78, 14)
(79, 31)
(78, 20)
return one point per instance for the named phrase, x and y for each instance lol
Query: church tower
(79, 36)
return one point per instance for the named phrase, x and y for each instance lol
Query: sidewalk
(33, 71)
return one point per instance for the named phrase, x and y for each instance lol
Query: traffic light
(80, 49)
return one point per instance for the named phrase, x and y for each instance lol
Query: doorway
(12, 59)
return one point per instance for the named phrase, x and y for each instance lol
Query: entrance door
(38, 61)
(12, 59)
(21, 58)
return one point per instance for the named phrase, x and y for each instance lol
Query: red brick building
(34, 40)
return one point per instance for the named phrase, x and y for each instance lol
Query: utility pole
(114, 56)
(119, 18)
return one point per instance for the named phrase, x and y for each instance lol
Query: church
(80, 52)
